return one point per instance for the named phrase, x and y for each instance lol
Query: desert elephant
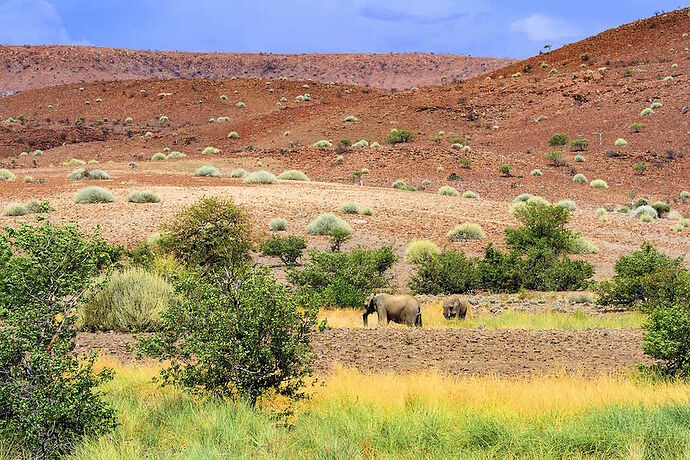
(401, 309)
(455, 307)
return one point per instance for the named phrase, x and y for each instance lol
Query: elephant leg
(383, 317)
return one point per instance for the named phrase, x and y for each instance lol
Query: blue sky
(510, 28)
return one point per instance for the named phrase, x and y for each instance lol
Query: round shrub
(293, 174)
(241, 105)
(233, 135)
(647, 111)
(6, 174)
(536, 173)
(131, 301)
(416, 251)
(599, 184)
(77, 174)
(327, 223)
(93, 162)
(601, 212)
(176, 154)
(38, 153)
(522, 198)
(580, 178)
(128, 121)
(402, 185)
(159, 156)
(656, 105)
(210, 151)
(323, 144)
(98, 174)
(644, 210)
(143, 197)
(621, 143)
(207, 171)
(684, 195)
(366, 211)
(14, 210)
(579, 159)
(260, 177)
(447, 190)
(238, 173)
(466, 231)
(92, 195)
(362, 143)
(567, 204)
(646, 218)
(351, 119)
(583, 246)
(349, 208)
(277, 225)
(374, 145)
(470, 195)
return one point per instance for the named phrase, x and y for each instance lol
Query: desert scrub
(159, 156)
(599, 184)
(522, 198)
(325, 224)
(97, 174)
(92, 195)
(400, 136)
(143, 197)
(558, 140)
(175, 154)
(349, 208)
(470, 195)
(6, 174)
(366, 211)
(323, 144)
(584, 246)
(567, 204)
(637, 127)
(210, 151)
(684, 195)
(580, 178)
(277, 225)
(466, 231)
(402, 185)
(260, 177)
(233, 135)
(293, 174)
(238, 173)
(207, 171)
(646, 112)
(579, 159)
(15, 210)
(360, 144)
(130, 301)
(351, 119)
(72, 162)
(536, 173)
(645, 210)
(620, 143)
(447, 190)
(241, 105)
(417, 251)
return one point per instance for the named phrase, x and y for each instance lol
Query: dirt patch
(456, 352)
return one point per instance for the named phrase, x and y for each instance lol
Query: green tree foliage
(400, 136)
(449, 272)
(289, 248)
(48, 396)
(239, 339)
(345, 279)
(666, 340)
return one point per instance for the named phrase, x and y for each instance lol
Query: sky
(502, 28)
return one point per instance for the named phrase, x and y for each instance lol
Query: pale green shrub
(366, 211)
(325, 224)
(293, 174)
(536, 173)
(91, 195)
(647, 111)
(207, 171)
(599, 184)
(583, 246)
(323, 144)
(175, 154)
(466, 231)
(233, 135)
(579, 159)
(362, 143)
(470, 195)
(580, 178)
(644, 210)
(159, 156)
(143, 197)
(15, 210)
(447, 190)
(277, 225)
(349, 208)
(73, 162)
(620, 143)
(522, 198)
(351, 119)
(238, 173)
(210, 151)
(567, 204)
(416, 251)
(260, 177)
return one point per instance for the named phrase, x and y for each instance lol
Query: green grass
(428, 416)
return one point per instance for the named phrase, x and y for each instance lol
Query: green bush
(277, 225)
(646, 112)
(212, 235)
(599, 184)
(293, 174)
(556, 158)
(288, 249)
(210, 151)
(326, 224)
(447, 190)
(233, 135)
(448, 272)
(345, 279)
(260, 177)
(207, 171)
(470, 195)
(351, 119)
(98, 174)
(6, 174)
(402, 185)
(349, 208)
(366, 211)
(175, 154)
(661, 208)
(400, 136)
(584, 246)
(637, 127)
(536, 172)
(645, 210)
(143, 197)
(580, 178)
(644, 279)
(466, 231)
(639, 169)
(505, 170)
(567, 204)
(666, 339)
(91, 195)
(249, 340)
(238, 173)
(578, 145)
(323, 144)
(579, 159)
(130, 301)
(522, 198)
(417, 250)
(558, 140)
(159, 156)
(620, 143)
(49, 397)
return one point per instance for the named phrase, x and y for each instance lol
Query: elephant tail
(418, 319)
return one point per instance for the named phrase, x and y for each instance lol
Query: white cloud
(540, 28)
(31, 22)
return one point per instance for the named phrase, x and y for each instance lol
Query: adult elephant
(401, 309)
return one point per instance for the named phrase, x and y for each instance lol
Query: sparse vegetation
(349, 208)
(323, 144)
(402, 185)
(293, 174)
(646, 112)
(558, 140)
(238, 173)
(159, 156)
(325, 224)
(143, 197)
(637, 127)
(620, 143)
(466, 231)
(400, 136)
(505, 170)
(556, 158)
(599, 184)
(233, 135)
(536, 173)
(92, 195)
(470, 195)
(578, 145)
(567, 204)
(288, 249)
(447, 190)
(210, 151)
(260, 177)
(277, 225)
(7, 175)
(580, 178)
(207, 171)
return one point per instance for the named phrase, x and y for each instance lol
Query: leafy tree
(543, 226)
(505, 170)
(345, 279)
(666, 340)
(239, 339)
(450, 272)
(213, 235)
(579, 145)
(48, 396)
(289, 249)
(556, 158)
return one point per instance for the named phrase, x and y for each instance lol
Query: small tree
(579, 145)
(556, 158)
(239, 342)
(289, 249)
(637, 127)
(400, 136)
(558, 140)
(505, 170)
(666, 340)
(639, 169)
(48, 396)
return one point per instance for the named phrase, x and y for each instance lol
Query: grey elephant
(401, 309)
(455, 307)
